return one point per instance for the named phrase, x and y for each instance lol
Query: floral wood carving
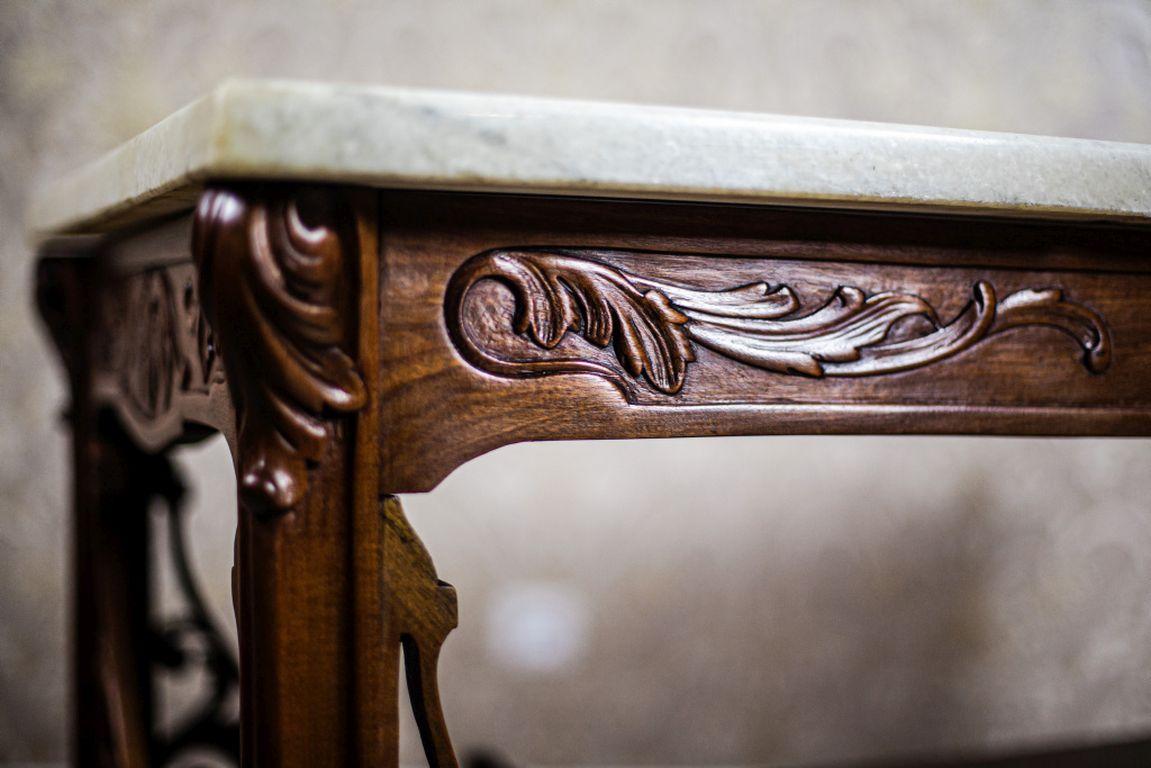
(652, 325)
(156, 352)
(275, 286)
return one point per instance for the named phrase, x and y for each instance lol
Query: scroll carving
(156, 354)
(275, 286)
(654, 327)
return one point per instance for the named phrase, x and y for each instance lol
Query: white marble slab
(388, 137)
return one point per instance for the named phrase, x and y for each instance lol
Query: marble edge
(443, 140)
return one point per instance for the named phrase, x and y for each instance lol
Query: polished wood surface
(112, 718)
(505, 320)
(352, 344)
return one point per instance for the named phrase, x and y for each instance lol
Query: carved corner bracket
(421, 614)
(278, 289)
(653, 327)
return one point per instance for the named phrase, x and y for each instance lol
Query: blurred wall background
(722, 601)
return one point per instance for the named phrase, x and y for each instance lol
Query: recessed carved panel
(156, 356)
(653, 327)
(660, 320)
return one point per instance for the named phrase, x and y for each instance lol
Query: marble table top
(437, 140)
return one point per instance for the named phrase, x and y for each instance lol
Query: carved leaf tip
(556, 294)
(269, 479)
(278, 292)
(1049, 307)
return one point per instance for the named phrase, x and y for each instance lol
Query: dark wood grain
(246, 320)
(506, 320)
(654, 328)
(353, 344)
(112, 697)
(278, 269)
(274, 272)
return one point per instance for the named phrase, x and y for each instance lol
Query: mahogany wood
(247, 321)
(111, 686)
(504, 320)
(353, 344)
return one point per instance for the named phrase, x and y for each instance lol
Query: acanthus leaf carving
(561, 294)
(653, 325)
(276, 289)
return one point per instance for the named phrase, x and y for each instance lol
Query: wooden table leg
(277, 285)
(328, 585)
(266, 330)
(111, 677)
(111, 654)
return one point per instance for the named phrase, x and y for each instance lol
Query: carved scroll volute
(276, 280)
(652, 325)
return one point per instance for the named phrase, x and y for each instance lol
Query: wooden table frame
(353, 344)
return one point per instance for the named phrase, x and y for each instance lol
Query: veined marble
(399, 138)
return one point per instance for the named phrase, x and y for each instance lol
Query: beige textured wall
(728, 601)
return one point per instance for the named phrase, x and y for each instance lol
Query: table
(363, 288)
